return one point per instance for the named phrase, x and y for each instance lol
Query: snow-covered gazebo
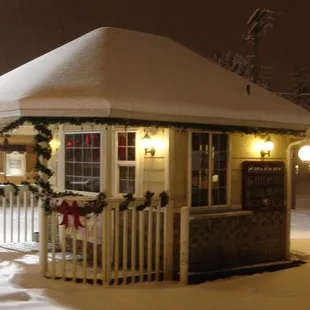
(102, 95)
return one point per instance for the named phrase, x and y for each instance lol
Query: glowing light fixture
(267, 147)
(304, 153)
(54, 144)
(148, 145)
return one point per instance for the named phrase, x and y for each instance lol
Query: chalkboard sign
(263, 184)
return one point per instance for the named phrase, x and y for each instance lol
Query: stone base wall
(225, 242)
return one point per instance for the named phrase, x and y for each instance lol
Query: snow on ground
(300, 231)
(22, 287)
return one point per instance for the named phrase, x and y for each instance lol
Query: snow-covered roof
(113, 72)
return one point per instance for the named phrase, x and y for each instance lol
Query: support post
(184, 245)
(43, 151)
(43, 239)
(289, 191)
(168, 242)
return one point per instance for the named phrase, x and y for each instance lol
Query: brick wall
(224, 242)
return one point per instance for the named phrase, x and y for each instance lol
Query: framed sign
(15, 164)
(263, 185)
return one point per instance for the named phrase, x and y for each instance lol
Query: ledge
(220, 214)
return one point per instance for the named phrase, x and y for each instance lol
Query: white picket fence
(19, 216)
(116, 247)
(129, 246)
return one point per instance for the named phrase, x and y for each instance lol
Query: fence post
(184, 245)
(43, 239)
(168, 242)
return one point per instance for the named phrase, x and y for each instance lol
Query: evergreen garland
(32, 188)
(164, 199)
(44, 122)
(15, 188)
(95, 206)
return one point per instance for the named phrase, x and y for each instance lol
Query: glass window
(82, 161)
(126, 162)
(209, 169)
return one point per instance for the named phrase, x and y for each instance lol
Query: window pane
(220, 142)
(78, 155)
(69, 155)
(131, 139)
(195, 142)
(126, 187)
(87, 171)
(200, 169)
(126, 146)
(82, 162)
(131, 186)
(219, 196)
(123, 187)
(122, 139)
(96, 170)
(96, 155)
(131, 153)
(122, 153)
(68, 140)
(78, 169)
(126, 179)
(69, 168)
(132, 173)
(92, 140)
(87, 155)
(199, 197)
(123, 173)
(126, 152)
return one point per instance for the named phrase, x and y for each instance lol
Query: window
(126, 162)
(209, 169)
(82, 161)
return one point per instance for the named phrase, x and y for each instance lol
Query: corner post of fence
(43, 239)
(184, 245)
(168, 242)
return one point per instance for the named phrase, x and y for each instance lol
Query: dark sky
(30, 28)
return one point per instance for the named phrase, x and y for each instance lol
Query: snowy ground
(300, 232)
(22, 287)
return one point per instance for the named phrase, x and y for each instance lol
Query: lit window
(126, 162)
(209, 169)
(82, 161)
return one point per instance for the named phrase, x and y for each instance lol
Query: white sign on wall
(15, 164)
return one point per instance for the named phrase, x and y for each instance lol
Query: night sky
(30, 28)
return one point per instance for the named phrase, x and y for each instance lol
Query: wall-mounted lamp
(147, 144)
(267, 147)
(54, 144)
(304, 153)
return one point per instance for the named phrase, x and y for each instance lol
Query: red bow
(76, 216)
(66, 210)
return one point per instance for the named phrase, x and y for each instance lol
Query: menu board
(263, 185)
(15, 164)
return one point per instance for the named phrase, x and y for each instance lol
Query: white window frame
(189, 173)
(116, 163)
(102, 163)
